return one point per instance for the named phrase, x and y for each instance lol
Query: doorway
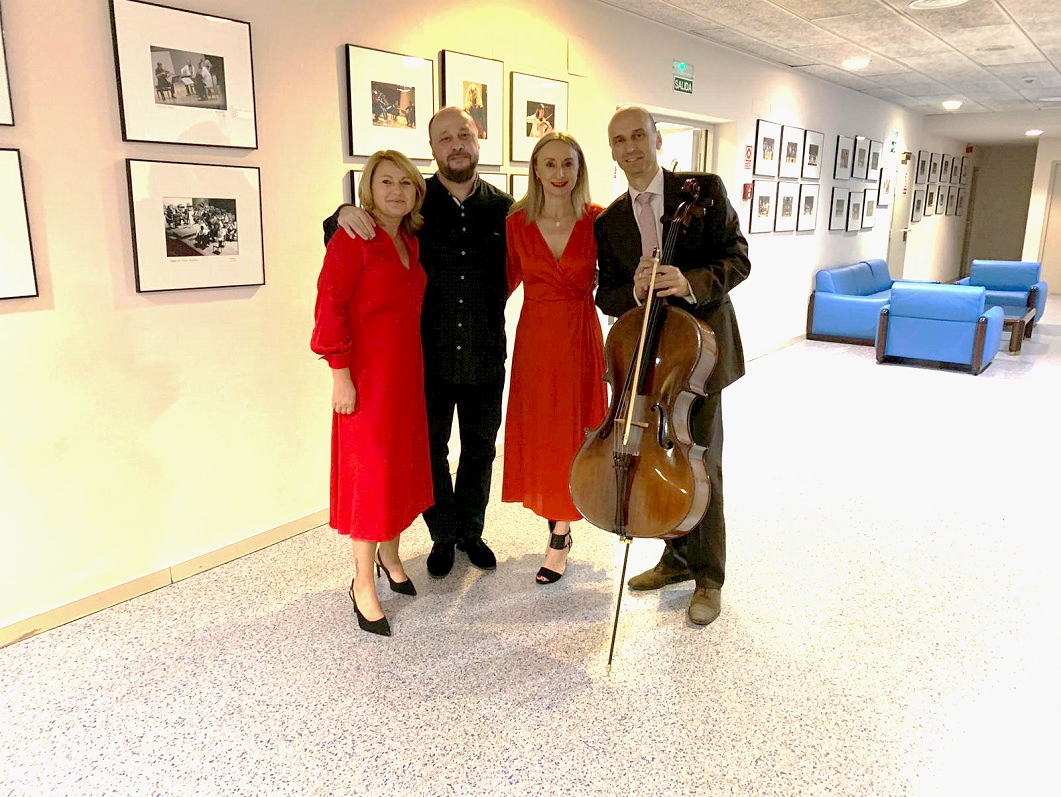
(1050, 251)
(687, 147)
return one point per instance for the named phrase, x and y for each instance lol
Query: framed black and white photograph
(966, 169)
(390, 98)
(845, 148)
(941, 200)
(854, 211)
(476, 85)
(886, 186)
(7, 111)
(875, 149)
(195, 226)
(791, 159)
(539, 106)
(869, 208)
(354, 179)
(496, 179)
(944, 169)
(763, 206)
(767, 148)
(952, 200)
(923, 157)
(807, 219)
(933, 167)
(860, 160)
(183, 77)
(838, 209)
(930, 199)
(959, 208)
(517, 185)
(956, 170)
(18, 277)
(786, 207)
(813, 150)
(917, 207)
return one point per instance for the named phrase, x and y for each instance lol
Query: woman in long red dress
(556, 391)
(368, 330)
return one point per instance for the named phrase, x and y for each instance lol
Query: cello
(640, 473)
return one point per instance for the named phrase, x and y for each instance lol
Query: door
(1050, 254)
(902, 199)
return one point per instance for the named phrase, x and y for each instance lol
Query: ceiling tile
(980, 43)
(946, 66)
(974, 14)
(839, 76)
(882, 30)
(835, 54)
(760, 19)
(817, 9)
(739, 41)
(913, 83)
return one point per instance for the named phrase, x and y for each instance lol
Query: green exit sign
(683, 85)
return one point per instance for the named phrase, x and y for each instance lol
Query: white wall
(1047, 154)
(142, 430)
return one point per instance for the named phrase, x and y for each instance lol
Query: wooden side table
(1020, 326)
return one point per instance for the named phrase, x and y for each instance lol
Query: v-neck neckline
(549, 249)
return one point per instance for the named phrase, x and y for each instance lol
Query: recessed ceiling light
(1048, 99)
(922, 5)
(952, 105)
(1034, 132)
(855, 63)
(994, 48)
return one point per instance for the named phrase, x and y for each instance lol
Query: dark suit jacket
(712, 254)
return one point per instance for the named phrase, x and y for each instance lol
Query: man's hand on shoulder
(357, 222)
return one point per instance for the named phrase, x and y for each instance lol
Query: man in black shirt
(462, 325)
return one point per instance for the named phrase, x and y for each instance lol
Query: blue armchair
(1013, 285)
(944, 325)
(846, 302)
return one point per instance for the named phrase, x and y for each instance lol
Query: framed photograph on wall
(838, 209)
(183, 77)
(917, 207)
(854, 211)
(959, 209)
(965, 171)
(763, 206)
(787, 207)
(7, 111)
(930, 199)
(18, 276)
(873, 173)
(390, 98)
(539, 106)
(496, 179)
(952, 200)
(808, 207)
(869, 208)
(354, 178)
(860, 160)
(933, 167)
(944, 169)
(813, 151)
(767, 145)
(886, 186)
(517, 185)
(476, 85)
(195, 226)
(791, 162)
(941, 200)
(956, 170)
(845, 147)
(923, 157)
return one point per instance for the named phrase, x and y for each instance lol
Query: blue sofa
(847, 301)
(948, 326)
(1013, 285)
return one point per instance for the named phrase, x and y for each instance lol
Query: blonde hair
(534, 200)
(413, 220)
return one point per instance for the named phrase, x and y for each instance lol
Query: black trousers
(703, 549)
(460, 508)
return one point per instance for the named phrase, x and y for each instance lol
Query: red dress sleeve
(513, 267)
(344, 261)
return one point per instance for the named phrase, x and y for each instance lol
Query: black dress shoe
(479, 553)
(440, 560)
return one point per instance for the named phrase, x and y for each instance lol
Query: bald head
(634, 141)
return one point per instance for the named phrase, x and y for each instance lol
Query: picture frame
(952, 200)
(885, 186)
(845, 148)
(539, 106)
(930, 199)
(860, 160)
(959, 209)
(873, 169)
(966, 171)
(813, 154)
(933, 167)
(390, 97)
(7, 108)
(917, 206)
(838, 208)
(790, 158)
(869, 207)
(195, 225)
(854, 210)
(763, 206)
(807, 219)
(496, 179)
(923, 157)
(944, 169)
(18, 273)
(941, 200)
(182, 77)
(477, 85)
(786, 208)
(354, 179)
(767, 145)
(956, 170)
(517, 185)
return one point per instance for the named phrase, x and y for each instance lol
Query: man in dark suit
(711, 259)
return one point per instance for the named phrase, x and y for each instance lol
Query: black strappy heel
(558, 542)
(382, 626)
(401, 587)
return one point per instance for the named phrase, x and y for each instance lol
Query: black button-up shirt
(462, 250)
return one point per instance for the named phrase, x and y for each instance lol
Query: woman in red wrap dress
(556, 391)
(368, 330)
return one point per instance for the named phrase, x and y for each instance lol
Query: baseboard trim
(83, 607)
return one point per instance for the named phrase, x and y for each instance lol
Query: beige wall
(1048, 153)
(1000, 208)
(144, 430)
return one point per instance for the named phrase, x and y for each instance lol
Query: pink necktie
(647, 223)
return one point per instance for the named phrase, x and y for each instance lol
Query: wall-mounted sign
(683, 77)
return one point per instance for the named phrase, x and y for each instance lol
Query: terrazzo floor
(889, 627)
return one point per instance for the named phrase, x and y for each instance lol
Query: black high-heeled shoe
(558, 542)
(401, 587)
(382, 626)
